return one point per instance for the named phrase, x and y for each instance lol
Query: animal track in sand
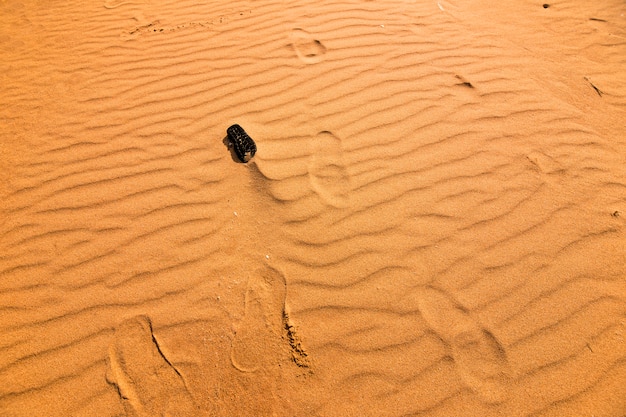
(147, 382)
(157, 27)
(479, 357)
(327, 172)
(309, 50)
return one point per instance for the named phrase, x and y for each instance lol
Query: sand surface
(434, 223)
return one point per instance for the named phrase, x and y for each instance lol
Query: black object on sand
(244, 146)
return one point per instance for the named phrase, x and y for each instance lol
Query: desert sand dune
(433, 223)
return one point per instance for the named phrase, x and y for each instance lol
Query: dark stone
(244, 146)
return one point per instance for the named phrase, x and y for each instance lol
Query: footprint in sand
(480, 359)
(115, 4)
(327, 172)
(266, 326)
(309, 50)
(259, 333)
(148, 384)
(546, 167)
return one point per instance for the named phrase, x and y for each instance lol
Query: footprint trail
(480, 359)
(308, 49)
(148, 384)
(327, 171)
(259, 333)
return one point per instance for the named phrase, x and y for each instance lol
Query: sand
(434, 223)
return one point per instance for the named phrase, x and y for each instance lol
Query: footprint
(148, 384)
(548, 169)
(309, 50)
(114, 5)
(259, 334)
(327, 172)
(480, 359)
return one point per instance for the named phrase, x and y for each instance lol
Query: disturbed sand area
(433, 224)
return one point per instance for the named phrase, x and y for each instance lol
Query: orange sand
(433, 224)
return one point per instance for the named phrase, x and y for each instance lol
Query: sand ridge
(433, 223)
